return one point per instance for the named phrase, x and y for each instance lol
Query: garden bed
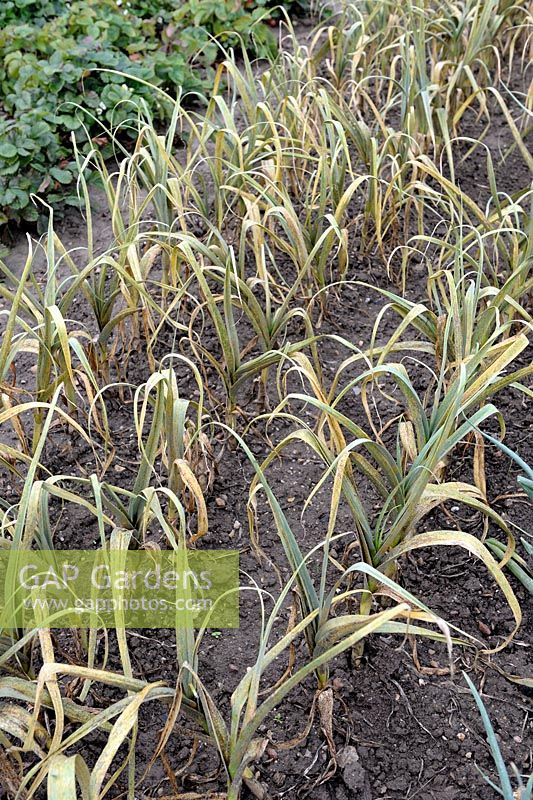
(404, 724)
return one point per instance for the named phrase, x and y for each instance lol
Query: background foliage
(51, 52)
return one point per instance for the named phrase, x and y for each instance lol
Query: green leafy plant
(408, 480)
(517, 565)
(505, 788)
(60, 74)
